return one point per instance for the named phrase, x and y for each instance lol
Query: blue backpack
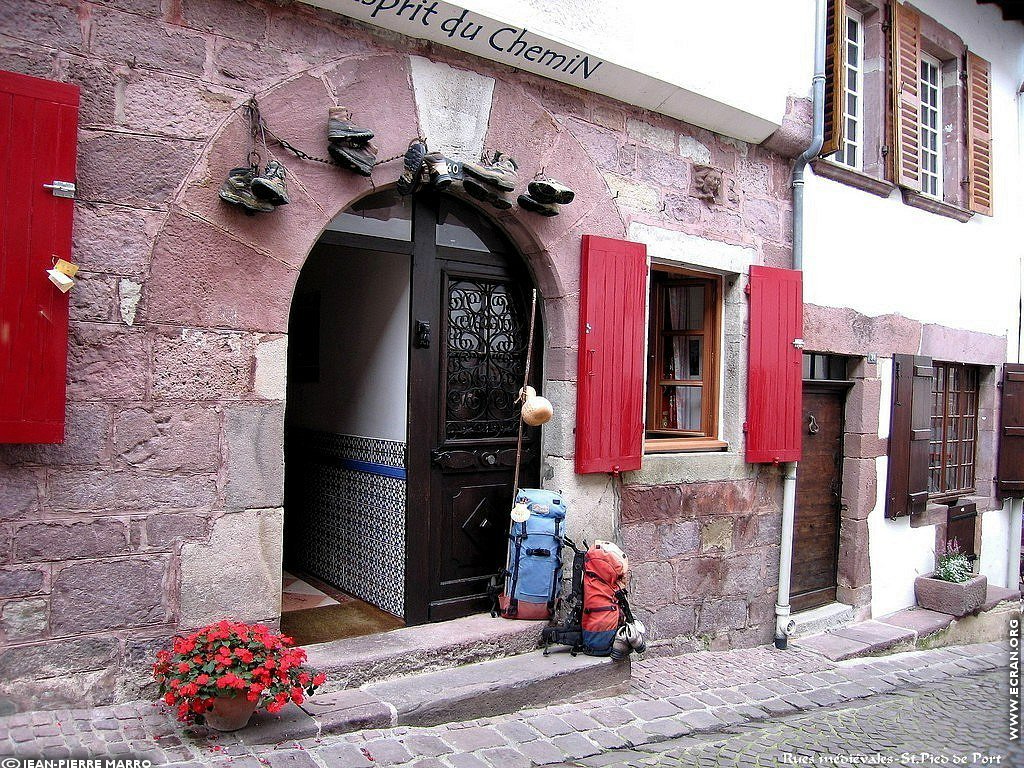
(533, 575)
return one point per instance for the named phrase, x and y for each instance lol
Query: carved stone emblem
(707, 183)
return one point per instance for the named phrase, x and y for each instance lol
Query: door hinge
(61, 188)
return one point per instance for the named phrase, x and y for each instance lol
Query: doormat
(352, 618)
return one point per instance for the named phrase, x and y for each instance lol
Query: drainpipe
(783, 624)
(1013, 566)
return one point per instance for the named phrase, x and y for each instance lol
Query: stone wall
(162, 509)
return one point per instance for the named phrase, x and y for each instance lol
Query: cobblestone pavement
(700, 696)
(959, 722)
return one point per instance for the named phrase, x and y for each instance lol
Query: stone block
(238, 573)
(163, 531)
(744, 574)
(663, 168)
(854, 566)
(673, 621)
(128, 168)
(120, 37)
(63, 541)
(860, 487)
(845, 331)
(114, 239)
(86, 429)
(21, 581)
(181, 437)
(657, 136)
(178, 107)
(769, 530)
(19, 493)
(109, 595)
(683, 208)
(453, 106)
(697, 577)
(23, 619)
(93, 297)
(219, 269)
(193, 364)
(764, 217)
(694, 150)
(297, 34)
(241, 65)
(269, 381)
(651, 584)
(75, 490)
(601, 145)
(744, 531)
(98, 84)
(73, 689)
(650, 503)
(255, 455)
(632, 195)
(44, 23)
(862, 407)
(795, 133)
(227, 18)
(716, 534)
(28, 59)
(640, 541)
(717, 615)
(57, 658)
(679, 538)
(106, 362)
(866, 446)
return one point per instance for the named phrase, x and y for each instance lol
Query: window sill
(849, 176)
(684, 445)
(930, 204)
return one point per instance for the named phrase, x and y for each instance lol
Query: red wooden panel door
(775, 365)
(38, 139)
(610, 380)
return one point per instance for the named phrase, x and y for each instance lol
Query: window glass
(953, 429)
(460, 226)
(931, 142)
(850, 152)
(383, 214)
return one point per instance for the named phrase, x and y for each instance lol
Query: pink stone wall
(169, 426)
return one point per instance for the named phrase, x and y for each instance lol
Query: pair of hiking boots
(491, 180)
(349, 145)
(253, 191)
(545, 196)
(422, 166)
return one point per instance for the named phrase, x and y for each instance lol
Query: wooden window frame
(657, 438)
(966, 407)
(932, 182)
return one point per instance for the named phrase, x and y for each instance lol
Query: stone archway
(219, 292)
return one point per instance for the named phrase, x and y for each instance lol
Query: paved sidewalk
(669, 698)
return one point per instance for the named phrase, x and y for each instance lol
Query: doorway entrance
(407, 348)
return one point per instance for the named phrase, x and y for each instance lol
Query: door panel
(818, 492)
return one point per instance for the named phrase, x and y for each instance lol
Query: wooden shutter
(835, 75)
(1010, 473)
(905, 69)
(610, 382)
(979, 135)
(38, 140)
(775, 365)
(909, 435)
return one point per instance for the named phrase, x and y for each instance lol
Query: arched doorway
(407, 347)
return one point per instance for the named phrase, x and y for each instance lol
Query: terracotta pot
(230, 713)
(950, 597)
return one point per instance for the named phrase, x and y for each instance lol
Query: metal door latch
(422, 334)
(62, 188)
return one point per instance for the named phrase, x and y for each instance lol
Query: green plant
(232, 659)
(953, 565)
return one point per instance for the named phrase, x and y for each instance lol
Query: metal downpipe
(1013, 556)
(784, 624)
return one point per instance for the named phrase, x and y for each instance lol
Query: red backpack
(604, 574)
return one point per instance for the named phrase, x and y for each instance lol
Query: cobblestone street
(748, 707)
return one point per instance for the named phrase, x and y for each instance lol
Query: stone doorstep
(499, 687)
(356, 661)
(825, 617)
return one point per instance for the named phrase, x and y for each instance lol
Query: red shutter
(1010, 475)
(910, 429)
(610, 382)
(775, 365)
(38, 139)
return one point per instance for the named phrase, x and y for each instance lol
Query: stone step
(499, 687)
(356, 661)
(822, 619)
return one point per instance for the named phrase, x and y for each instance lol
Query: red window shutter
(835, 74)
(38, 141)
(910, 429)
(905, 66)
(775, 365)
(610, 382)
(1010, 474)
(979, 135)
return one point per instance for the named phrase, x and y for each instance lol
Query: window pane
(684, 308)
(683, 358)
(681, 408)
(384, 214)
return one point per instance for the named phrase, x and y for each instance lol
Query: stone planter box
(950, 597)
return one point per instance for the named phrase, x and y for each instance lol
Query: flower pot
(950, 597)
(230, 713)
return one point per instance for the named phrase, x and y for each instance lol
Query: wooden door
(818, 493)
(470, 321)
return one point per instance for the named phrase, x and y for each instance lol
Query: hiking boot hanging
(411, 177)
(270, 185)
(527, 203)
(237, 190)
(548, 190)
(355, 156)
(499, 172)
(486, 193)
(340, 127)
(443, 171)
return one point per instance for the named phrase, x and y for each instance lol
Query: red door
(38, 139)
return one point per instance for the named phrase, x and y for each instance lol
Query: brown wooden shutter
(835, 73)
(909, 435)
(905, 69)
(1010, 474)
(610, 383)
(979, 135)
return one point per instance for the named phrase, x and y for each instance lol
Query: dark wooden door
(818, 494)
(470, 323)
